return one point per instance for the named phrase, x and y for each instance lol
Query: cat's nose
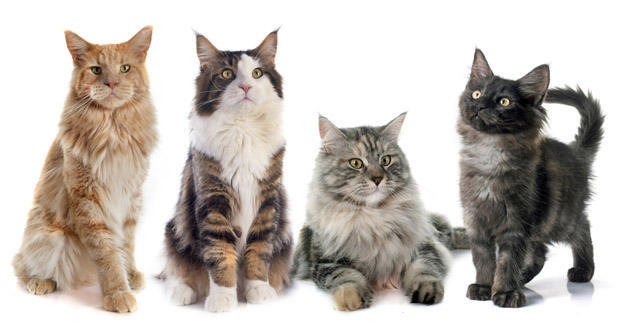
(245, 88)
(376, 179)
(111, 84)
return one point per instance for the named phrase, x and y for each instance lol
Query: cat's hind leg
(49, 258)
(583, 253)
(186, 282)
(422, 279)
(534, 261)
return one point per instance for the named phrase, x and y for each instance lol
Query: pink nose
(111, 84)
(245, 88)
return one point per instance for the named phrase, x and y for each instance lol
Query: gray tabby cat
(366, 226)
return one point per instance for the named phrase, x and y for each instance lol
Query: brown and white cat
(88, 198)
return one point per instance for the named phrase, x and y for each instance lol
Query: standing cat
(230, 224)
(366, 226)
(88, 200)
(521, 190)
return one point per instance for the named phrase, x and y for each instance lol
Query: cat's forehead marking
(247, 64)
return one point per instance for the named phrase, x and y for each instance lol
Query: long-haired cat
(521, 190)
(88, 199)
(230, 227)
(366, 226)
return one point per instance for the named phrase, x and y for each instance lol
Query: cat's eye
(476, 94)
(356, 163)
(257, 73)
(95, 70)
(227, 74)
(386, 160)
(504, 101)
(125, 68)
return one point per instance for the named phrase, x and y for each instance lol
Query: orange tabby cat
(88, 198)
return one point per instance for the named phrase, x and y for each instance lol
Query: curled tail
(590, 132)
(453, 238)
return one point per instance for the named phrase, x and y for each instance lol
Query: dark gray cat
(366, 226)
(521, 190)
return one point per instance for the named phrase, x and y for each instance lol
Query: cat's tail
(453, 238)
(590, 132)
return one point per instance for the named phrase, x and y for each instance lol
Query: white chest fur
(244, 143)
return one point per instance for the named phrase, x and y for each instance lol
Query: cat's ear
(139, 44)
(266, 51)
(331, 136)
(534, 84)
(392, 129)
(205, 50)
(480, 68)
(77, 46)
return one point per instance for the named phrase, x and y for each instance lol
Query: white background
(358, 64)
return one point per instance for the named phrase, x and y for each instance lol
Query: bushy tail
(590, 132)
(453, 238)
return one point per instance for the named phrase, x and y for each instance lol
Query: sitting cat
(521, 190)
(367, 227)
(89, 196)
(231, 214)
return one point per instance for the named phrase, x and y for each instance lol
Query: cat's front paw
(577, 274)
(120, 301)
(257, 292)
(509, 299)
(221, 299)
(348, 298)
(179, 292)
(426, 292)
(40, 286)
(479, 292)
(136, 280)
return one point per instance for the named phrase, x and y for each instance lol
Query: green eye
(96, 70)
(504, 101)
(386, 160)
(227, 74)
(125, 68)
(356, 163)
(257, 73)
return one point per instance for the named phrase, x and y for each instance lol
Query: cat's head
(362, 164)
(492, 104)
(236, 80)
(110, 75)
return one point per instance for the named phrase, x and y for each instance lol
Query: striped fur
(361, 235)
(230, 232)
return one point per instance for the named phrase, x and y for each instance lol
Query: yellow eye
(476, 94)
(125, 68)
(356, 163)
(386, 160)
(504, 101)
(257, 73)
(227, 74)
(96, 70)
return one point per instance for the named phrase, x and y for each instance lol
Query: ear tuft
(266, 51)
(534, 84)
(139, 44)
(392, 129)
(480, 68)
(77, 46)
(331, 136)
(205, 50)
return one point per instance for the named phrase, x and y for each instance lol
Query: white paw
(221, 299)
(180, 293)
(257, 292)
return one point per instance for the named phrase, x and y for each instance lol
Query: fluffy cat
(230, 227)
(366, 226)
(88, 199)
(520, 190)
